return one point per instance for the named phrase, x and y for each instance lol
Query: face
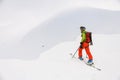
(81, 30)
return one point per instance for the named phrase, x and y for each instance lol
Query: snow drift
(63, 27)
(57, 64)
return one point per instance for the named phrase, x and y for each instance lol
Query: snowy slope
(65, 27)
(17, 18)
(57, 64)
(50, 18)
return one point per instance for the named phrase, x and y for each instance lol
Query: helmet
(82, 27)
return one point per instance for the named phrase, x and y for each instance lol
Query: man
(84, 45)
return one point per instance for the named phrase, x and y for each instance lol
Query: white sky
(18, 17)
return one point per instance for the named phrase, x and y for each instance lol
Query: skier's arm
(83, 37)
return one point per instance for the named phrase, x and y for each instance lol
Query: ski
(96, 68)
(91, 65)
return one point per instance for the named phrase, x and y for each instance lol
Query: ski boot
(81, 58)
(90, 62)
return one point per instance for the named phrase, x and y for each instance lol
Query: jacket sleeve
(83, 37)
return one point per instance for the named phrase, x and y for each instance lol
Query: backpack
(89, 38)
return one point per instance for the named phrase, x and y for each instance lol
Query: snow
(57, 64)
(21, 16)
(60, 28)
(38, 36)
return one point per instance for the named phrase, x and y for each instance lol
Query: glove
(91, 43)
(81, 44)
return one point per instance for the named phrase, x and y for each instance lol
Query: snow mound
(57, 64)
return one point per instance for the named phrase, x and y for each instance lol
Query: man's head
(82, 28)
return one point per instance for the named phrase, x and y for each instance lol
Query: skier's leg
(89, 53)
(80, 52)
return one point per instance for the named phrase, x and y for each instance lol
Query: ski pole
(75, 52)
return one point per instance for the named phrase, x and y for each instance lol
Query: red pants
(86, 47)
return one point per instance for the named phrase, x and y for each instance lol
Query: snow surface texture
(57, 64)
(31, 27)
(63, 27)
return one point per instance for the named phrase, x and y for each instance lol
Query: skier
(84, 45)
